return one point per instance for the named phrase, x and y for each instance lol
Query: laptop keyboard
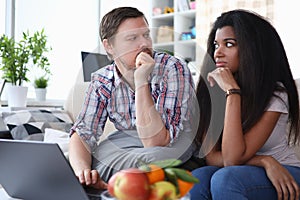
(93, 197)
(93, 194)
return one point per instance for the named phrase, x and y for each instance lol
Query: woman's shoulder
(281, 92)
(279, 101)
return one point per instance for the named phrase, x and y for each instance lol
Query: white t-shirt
(277, 144)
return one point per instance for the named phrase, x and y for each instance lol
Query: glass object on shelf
(186, 36)
(189, 35)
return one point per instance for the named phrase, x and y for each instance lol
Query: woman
(255, 157)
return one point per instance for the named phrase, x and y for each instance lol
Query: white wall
(286, 22)
(71, 26)
(2, 16)
(142, 5)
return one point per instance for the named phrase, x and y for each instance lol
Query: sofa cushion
(59, 137)
(24, 124)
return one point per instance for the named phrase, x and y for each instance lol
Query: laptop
(33, 170)
(91, 62)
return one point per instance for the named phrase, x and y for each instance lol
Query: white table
(32, 103)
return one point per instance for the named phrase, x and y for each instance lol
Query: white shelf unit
(181, 21)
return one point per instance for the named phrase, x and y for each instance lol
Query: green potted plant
(40, 85)
(18, 58)
(41, 82)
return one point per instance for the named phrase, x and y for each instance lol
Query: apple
(163, 190)
(111, 183)
(131, 184)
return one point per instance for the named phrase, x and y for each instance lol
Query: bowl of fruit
(160, 180)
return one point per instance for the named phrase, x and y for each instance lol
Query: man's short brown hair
(112, 20)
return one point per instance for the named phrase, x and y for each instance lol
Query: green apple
(163, 190)
(131, 184)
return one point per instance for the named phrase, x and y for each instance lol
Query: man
(148, 97)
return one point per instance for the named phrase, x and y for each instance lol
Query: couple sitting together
(235, 118)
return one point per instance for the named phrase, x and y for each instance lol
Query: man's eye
(131, 38)
(147, 35)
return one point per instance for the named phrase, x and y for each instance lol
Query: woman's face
(226, 49)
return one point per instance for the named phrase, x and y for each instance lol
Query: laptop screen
(91, 62)
(36, 170)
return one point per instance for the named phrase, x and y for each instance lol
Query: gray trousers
(124, 149)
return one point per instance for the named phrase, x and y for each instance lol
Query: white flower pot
(17, 96)
(40, 94)
(4, 96)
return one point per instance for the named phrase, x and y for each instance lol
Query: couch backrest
(75, 99)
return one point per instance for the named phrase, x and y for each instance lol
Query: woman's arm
(239, 147)
(214, 157)
(282, 180)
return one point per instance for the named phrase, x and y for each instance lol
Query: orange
(184, 187)
(155, 173)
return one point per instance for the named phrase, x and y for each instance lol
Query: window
(2, 16)
(71, 27)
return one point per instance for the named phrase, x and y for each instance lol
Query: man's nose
(143, 42)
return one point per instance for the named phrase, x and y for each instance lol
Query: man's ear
(107, 46)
